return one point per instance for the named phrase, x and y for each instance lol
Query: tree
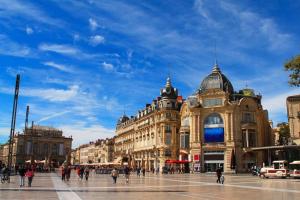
(293, 66)
(284, 133)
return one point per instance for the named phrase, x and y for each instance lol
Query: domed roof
(123, 119)
(169, 91)
(216, 80)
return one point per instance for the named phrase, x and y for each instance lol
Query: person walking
(127, 174)
(63, 173)
(81, 172)
(144, 171)
(219, 174)
(22, 172)
(86, 173)
(114, 175)
(29, 174)
(138, 172)
(68, 173)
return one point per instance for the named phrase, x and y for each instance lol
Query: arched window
(213, 128)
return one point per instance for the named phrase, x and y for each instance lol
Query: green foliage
(293, 66)
(284, 133)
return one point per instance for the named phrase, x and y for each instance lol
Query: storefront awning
(177, 161)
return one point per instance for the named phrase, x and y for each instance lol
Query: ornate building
(219, 126)
(97, 152)
(293, 112)
(40, 144)
(151, 138)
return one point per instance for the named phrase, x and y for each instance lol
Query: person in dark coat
(22, 172)
(219, 174)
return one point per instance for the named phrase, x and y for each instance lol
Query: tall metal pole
(13, 124)
(26, 120)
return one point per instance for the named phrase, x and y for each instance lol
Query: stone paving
(175, 186)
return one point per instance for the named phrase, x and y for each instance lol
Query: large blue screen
(214, 134)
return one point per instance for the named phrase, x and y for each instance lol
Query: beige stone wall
(293, 109)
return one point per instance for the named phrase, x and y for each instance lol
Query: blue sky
(82, 63)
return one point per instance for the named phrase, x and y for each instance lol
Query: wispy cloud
(83, 133)
(59, 66)
(21, 9)
(53, 116)
(12, 48)
(276, 104)
(29, 30)
(59, 48)
(107, 66)
(93, 24)
(96, 40)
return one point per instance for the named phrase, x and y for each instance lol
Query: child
(222, 179)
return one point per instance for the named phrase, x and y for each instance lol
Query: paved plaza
(155, 187)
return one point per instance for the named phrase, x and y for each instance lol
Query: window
(185, 121)
(54, 149)
(167, 128)
(249, 138)
(168, 138)
(212, 102)
(46, 149)
(28, 147)
(185, 140)
(168, 152)
(248, 117)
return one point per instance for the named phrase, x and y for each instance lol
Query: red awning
(177, 161)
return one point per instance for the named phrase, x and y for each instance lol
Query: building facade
(151, 138)
(219, 126)
(39, 144)
(293, 112)
(98, 152)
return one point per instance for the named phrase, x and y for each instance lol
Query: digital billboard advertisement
(214, 134)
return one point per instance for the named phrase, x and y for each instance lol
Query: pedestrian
(29, 174)
(114, 175)
(22, 172)
(144, 171)
(81, 172)
(86, 173)
(219, 174)
(157, 170)
(63, 173)
(127, 173)
(138, 172)
(222, 179)
(68, 173)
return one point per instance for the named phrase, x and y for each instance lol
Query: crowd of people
(23, 171)
(83, 172)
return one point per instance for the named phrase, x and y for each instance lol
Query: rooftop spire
(216, 66)
(168, 84)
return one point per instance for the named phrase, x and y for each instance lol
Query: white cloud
(276, 104)
(54, 95)
(67, 50)
(93, 24)
(83, 134)
(29, 30)
(24, 9)
(59, 66)
(53, 116)
(96, 40)
(76, 37)
(107, 66)
(59, 48)
(11, 48)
